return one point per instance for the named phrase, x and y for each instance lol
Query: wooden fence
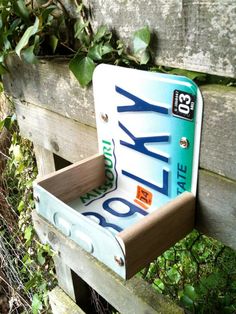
(58, 116)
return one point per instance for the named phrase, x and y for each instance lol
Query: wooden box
(135, 199)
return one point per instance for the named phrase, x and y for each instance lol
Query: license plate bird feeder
(136, 197)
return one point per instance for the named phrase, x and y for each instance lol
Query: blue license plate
(148, 128)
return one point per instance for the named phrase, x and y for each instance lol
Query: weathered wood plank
(44, 159)
(51, 85)
(218, 145)
(128, 297)
(194, 35)
(57, 129)
(69, 139)
(216, 210)
(62, 304)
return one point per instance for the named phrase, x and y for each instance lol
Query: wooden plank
(157, 232)
(62, 304)
(195, 35)
(51, 85)
(44, 159)
(218, 146)
(128, 297)
(76, 103)
(75, 180)
(216, 210)
(69, 139)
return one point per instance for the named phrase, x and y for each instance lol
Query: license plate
(148, 128)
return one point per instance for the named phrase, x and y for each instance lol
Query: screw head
(184, 143)
(119, 260)
(104, 116)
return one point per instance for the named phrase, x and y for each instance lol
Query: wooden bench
(56, 114)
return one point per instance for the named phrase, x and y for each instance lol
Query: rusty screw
(104, 117)
(184, 143)
(119, 260)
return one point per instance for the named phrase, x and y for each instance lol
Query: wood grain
(44, 159)
(154, 234)
(71, 140)
(50, 85)
(75, 180)
(216, 209)
(194, 35)
(62, 304)
(218, 145)
(133, 296)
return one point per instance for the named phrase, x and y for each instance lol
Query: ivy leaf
(192, 75)
(53, 41)
(30, 31)
(141, 40)
(36, 304)
(82, 68)
(41, 259)
(28, 55)
(106, 48)
(190, 292)
(100, 33)
(21, 206)
(144, 57)
(95, 52)
(28, 233)
(47, 12)
(21, 9)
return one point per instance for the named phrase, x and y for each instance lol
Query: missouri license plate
(148, 128)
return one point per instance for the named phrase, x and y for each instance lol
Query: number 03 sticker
(183, 105)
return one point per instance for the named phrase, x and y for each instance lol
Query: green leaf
(95, 52)
(32, 30)
(2, 69)
(41, 259)
(174, 275)
(16, 150)
(21, 206)
(21, 9)
(79, 28)
(82, 68)
(186, 301)
(106, 48)
(192, 75)
(190, 292)
(36, 304)
(102, 30)
(28, 233)
(144, 57)
(141, 40)
(53, 41)
(1, 125)
(28, 55)
(47, 12)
